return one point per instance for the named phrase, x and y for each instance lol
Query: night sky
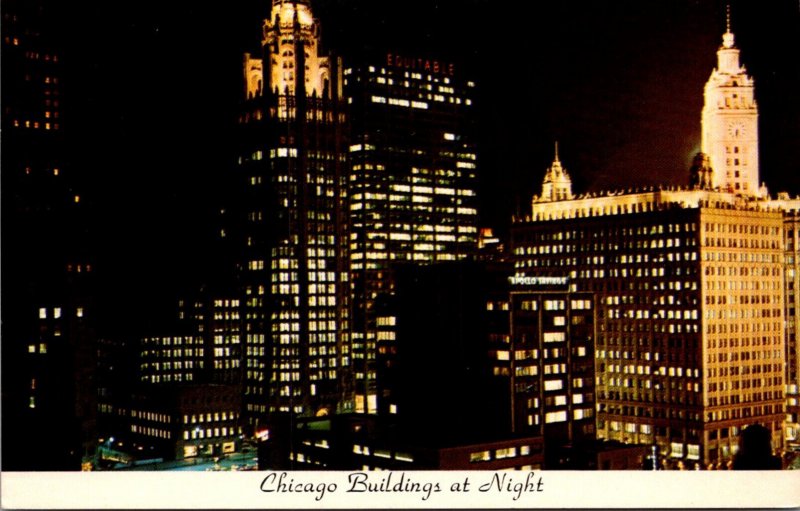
(151, 90)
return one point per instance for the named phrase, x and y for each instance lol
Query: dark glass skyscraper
(413, 179)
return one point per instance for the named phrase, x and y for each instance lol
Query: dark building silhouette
(440, 383)
(375, 442)
(48, 348)
(469, 353)
(755, 450)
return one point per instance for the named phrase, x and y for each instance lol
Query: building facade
(547, 352)
(689, 292)
(217, 320)
(730, 123)
(291, 223)
(412, 186)
(175, 421)
(172, 359)
(791, 224)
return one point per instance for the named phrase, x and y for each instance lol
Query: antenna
(556, 150)
(728, 17)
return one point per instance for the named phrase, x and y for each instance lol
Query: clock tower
(730, 122)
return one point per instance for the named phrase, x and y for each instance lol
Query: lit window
(403, 456)
(399, 102)
(553, 385)
(555, 417)
(554, 336)
(475, 457)
(510, 452)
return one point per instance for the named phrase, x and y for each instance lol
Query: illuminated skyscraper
(689, 288)
(730, 123)
(413, 182)
(792, 311)
(292, 224)
(791, 233)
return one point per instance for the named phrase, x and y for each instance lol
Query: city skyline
(577, 78)
(300, 240)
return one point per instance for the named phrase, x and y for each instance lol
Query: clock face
(736, 129)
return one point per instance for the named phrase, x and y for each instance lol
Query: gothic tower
(291, 206)
(557, 184)
(291, 54)
(730, 122)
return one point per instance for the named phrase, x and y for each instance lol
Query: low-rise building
(179, 421)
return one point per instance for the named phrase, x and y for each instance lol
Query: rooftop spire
(557, 184)
(728, 18)
(727, 37)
